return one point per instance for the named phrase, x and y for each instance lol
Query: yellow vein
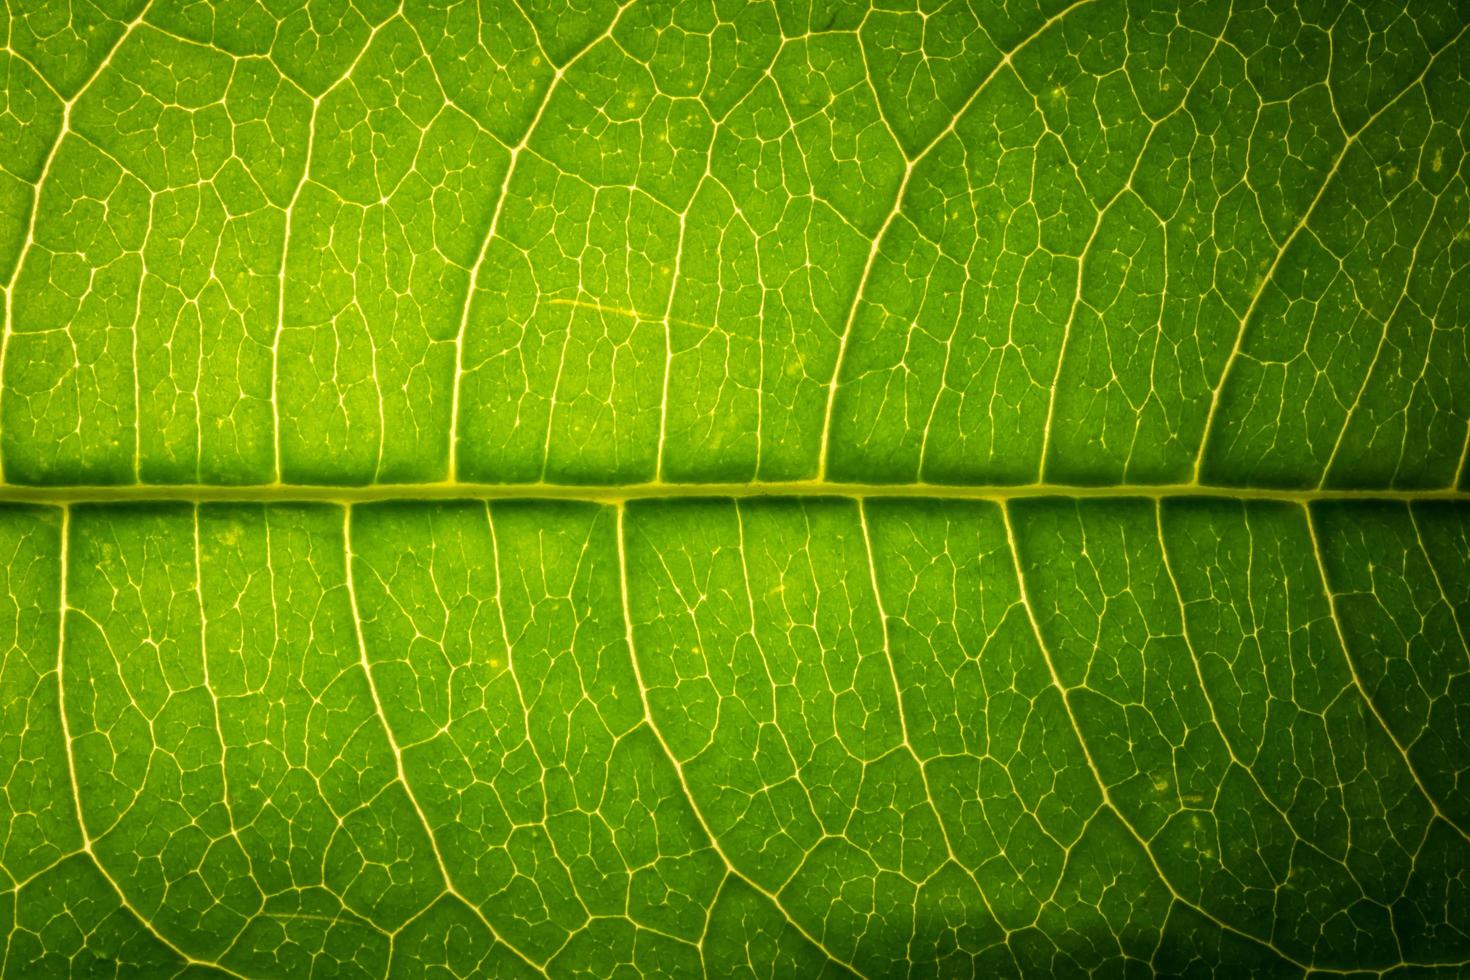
(1352, 666)
(1107, 796)
(35, 209)
(611, 493)
(678, 766)
(71, 764)
(490, 232)
(910, 165)
(903, 722)
(1352, 139)
(402, 777)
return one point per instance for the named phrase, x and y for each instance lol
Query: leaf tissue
(920, 488)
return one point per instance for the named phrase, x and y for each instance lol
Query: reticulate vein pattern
(734, 488)
(883, 737)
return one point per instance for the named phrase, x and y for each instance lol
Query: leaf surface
(734, 489)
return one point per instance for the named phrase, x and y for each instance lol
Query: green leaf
(723, 487)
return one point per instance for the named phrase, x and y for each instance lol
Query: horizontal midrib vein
(615, 493)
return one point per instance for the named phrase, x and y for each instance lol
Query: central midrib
(620, 493)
